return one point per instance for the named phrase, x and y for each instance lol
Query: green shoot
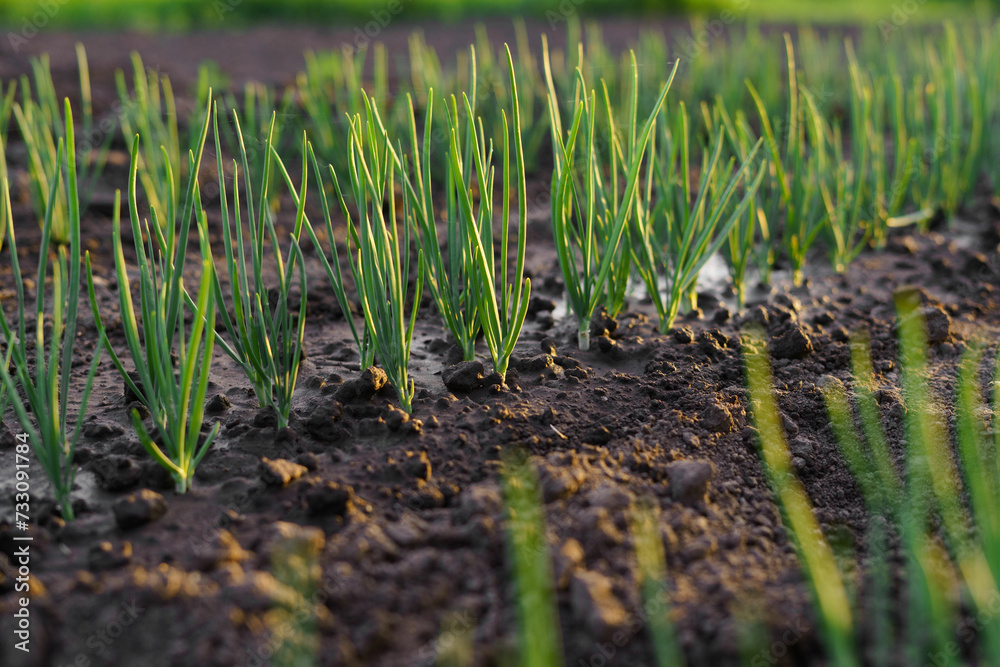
(932, 488)
(296, 568)
(151, 113)
(842, 182)
(794, 174)
(750, 238)
(814, 551)
(653, 584)
(590, 218)
(692, 230)
(501, 305)
(266, 338)
(449, 265)
(41, 124)
(174, 394)
(531, 566)
(382, 268)
(362, 339)
(46, 394)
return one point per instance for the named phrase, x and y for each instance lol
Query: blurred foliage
(24, 17)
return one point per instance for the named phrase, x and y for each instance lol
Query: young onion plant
(382, 264)
(6, 107)
(449, 265)
(172, 391)
(531, 565)
(46, 392)
(266, 337)
(501, 304)
(690, 230)
(884, 117)
(793, 175)
(150, 112)
(362, 338)
(749, 240)
(842, 181)
(589, 215)
(41, 123)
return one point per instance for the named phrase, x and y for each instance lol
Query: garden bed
(406, 512)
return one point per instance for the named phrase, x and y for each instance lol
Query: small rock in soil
(559, 481)
(791, 342)
(535, 364)
(683, 335)
(756, 315)
(413, 427)
(309, 460)
(539, 304)
(330, 498)
(218, 404)
(610, 496)
(322, 423)
(265, 418)
(117, 473)
(96, 429)
(801, 447)
(548, 346)
(598, 435)
(292, 538)
(395, 418)
(595, 605)
(566, 562)
(417, 466)
(689, 479)
(717, 418)
(127, 393)
(280, 472)
(609, 347)
(711, 346)
(139, 508)
(567, 362)
(222, 548)
(464, 377)
(481, 498)
(108, 556)
(938, 324)
(602, 324)
(372, 380)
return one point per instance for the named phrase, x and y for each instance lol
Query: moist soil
(406, 514)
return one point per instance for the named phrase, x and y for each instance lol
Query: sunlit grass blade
(647, 536)
(814, 551)
(334, 271)
(531, 567)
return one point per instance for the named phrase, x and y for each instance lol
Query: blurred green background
(20, 15)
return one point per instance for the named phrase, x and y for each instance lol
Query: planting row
(640, 192)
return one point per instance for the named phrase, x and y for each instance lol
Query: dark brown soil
(410, 513)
